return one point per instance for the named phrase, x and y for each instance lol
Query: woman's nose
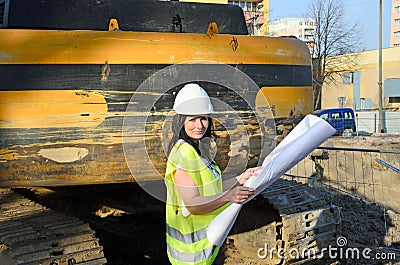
(199, 123)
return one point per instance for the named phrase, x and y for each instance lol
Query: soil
(130, 223)
(136, 235)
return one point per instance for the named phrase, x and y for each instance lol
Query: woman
(195, 192)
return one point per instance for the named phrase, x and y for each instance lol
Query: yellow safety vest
(187, 241)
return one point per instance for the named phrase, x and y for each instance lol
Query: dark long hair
(202, 146)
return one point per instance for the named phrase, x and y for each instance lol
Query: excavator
(76, 76)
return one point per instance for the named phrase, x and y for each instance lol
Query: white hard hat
(192, 99)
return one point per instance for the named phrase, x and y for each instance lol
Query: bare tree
(333, 36)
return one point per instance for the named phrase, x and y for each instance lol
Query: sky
(365, 12)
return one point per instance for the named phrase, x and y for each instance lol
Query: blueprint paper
(310, 133)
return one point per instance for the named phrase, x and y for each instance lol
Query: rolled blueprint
(310, 133)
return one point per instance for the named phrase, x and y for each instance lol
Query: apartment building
(256, 15)
(357, 88)
(395, 24)
(255, 12)
(301, 28)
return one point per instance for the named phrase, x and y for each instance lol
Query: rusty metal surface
(64, 94)
(308, 223)
(298, 219)
(34, 234)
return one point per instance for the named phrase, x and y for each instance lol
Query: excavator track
(304, 223)
(309, 223)
(33, 234)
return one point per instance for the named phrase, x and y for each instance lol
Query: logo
(340, 251)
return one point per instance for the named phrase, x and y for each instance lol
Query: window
(342, 102)
(397, 21)
(365, 103)
(324, 116)
(300, 23)
(394, 99)
(348, 115)
(309, 31)
(396, 34)
(336, 116)
(248, 6)
(348, 78)
(397, 9)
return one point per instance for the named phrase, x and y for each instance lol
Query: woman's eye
(198, 118)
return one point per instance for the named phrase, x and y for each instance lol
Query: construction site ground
(130, 224)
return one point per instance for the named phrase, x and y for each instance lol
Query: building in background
(357, 88)
(256, 15)
(395, 24)
(301, 28)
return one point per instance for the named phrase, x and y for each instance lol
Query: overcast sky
(365, 12)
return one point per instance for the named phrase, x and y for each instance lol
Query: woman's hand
(239, 194)
(242, 178)
(197, 204)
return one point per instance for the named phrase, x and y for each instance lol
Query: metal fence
(364, 184)
(367, 122)
(370, 174)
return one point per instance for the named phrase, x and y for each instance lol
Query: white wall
(368, 122)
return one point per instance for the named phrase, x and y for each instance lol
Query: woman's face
(196, 126)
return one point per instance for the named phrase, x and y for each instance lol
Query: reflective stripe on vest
(187, 241)
(191, 257)
(187, 238)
